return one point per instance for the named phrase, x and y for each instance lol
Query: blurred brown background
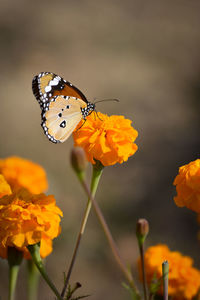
(145, 53)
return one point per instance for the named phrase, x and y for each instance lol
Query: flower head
(187, 184)
(184, 279)
(20, 172)
(107, 139)
(27, 219)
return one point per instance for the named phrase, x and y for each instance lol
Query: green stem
(33, 280)
(14, 260)
(35, 253)
(110, 239)
(13, 272)
(144, 281)
(96, 175)
(165, 272)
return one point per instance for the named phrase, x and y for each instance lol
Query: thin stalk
(13, 272)
(47, 279)
(14, 260)
(165, 272)
(97, 172)
(33, 280)
(111, 241)
(35, 253)
(144, 281)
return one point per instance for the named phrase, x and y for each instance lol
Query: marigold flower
(184, 279)
(107, 139)
(26, 219)
(187, 184)
(20, 172)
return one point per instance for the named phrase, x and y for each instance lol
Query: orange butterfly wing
(62, 104)
(47, 85)
(62, 117)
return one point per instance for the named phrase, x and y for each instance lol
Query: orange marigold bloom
(27, 219)
(20, 172)
(188, 186)
(184, 279)
(107, 139)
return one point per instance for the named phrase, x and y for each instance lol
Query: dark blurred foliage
(145, 53)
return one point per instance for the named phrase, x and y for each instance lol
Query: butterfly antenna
(106, 100)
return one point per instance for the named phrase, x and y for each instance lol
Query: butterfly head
(87, 110)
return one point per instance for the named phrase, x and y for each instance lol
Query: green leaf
(134, 296)
(155, 284)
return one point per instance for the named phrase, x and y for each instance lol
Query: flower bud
(78, 159)
(142, 229)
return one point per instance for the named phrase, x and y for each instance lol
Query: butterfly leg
(81, 125)
(96, 113)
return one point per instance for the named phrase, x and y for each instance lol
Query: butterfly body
(63, 105)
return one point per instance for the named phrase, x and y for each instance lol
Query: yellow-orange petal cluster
(27, 219)
(20, 172)
(187, 184)
(184, 279)
(109, 139)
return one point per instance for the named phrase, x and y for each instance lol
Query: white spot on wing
(54, 82)
(47, 88)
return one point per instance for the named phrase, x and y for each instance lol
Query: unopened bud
(142, 229)
(78, 159)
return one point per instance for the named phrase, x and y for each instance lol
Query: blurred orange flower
(27, 219)
(184, 279)
(187, 184)
(107, 139)
(20, 172)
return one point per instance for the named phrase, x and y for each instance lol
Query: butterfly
(62, 105)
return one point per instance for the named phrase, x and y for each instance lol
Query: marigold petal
(45, 246)
(18, 240)
(4, 187)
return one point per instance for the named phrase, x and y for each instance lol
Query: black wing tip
(35, 87)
